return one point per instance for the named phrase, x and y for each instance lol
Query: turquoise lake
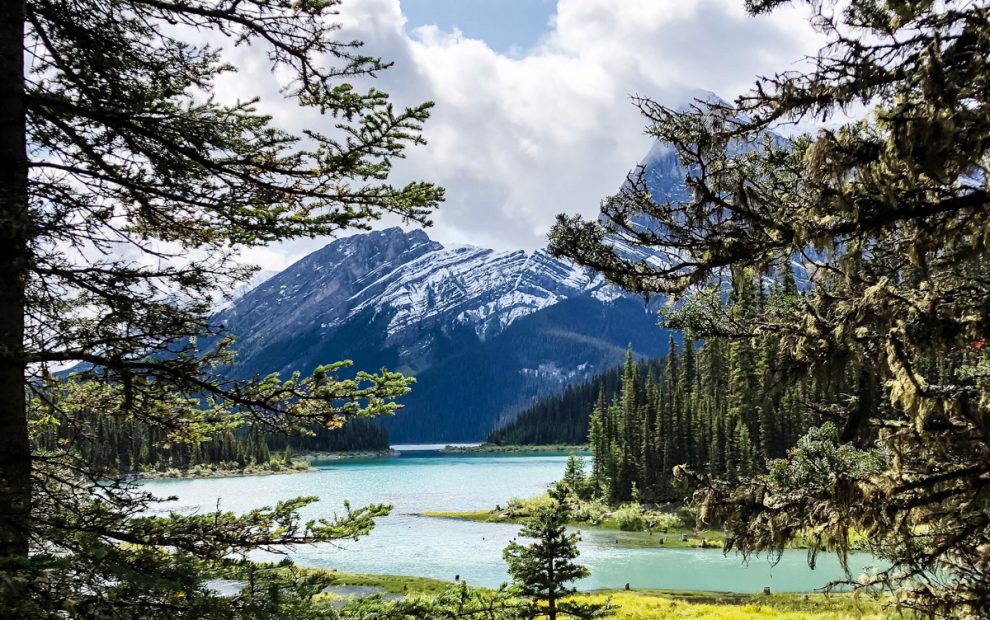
(428, 480)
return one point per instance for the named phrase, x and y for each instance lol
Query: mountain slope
(484, 332)
(539, 355)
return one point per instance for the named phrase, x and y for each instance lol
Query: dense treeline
(562, 419)
(722, 408)
(358, 434)
(115, 445)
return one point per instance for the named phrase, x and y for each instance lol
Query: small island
(669, 526)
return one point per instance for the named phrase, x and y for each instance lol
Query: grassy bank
(675, 538)
(641, 526)
(316, 457)
(663, 604)
(390, 584)
(225, 470)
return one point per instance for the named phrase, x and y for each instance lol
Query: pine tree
(143, 188)
(598, 441)
(688, 377)
(626, 413)
(574, 478)
(542, 569)
(889, 214)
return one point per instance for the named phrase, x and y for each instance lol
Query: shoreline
(302, 464)
(178, 474)
(638, 603)
(658, 537)
(490, 448)
(319, 457)
(673, 538)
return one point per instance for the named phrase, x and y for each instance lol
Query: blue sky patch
(507, 26)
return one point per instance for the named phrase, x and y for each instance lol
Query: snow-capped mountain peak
(414, 283)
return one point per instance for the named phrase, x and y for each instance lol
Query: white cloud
(517, 139)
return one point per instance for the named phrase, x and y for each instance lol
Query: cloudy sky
(532, 113)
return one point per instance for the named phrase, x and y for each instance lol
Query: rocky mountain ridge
(516, 325)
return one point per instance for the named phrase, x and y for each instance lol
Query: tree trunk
(866, 406)
(551, 595)
(15, 225)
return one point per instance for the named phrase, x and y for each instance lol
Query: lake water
(427, 480)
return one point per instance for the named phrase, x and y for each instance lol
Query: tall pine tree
(542, 569)
(888, 214)
(119, 229)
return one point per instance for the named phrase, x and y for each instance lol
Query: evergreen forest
(562, 419)
(826, 257)
(121, 446)
(725, 408)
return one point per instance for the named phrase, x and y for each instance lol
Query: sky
(533, 114)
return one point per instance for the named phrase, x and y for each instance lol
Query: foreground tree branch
(127, 191)
(885, 221)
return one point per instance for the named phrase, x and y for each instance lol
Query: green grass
(392, 584)
(482, 516)
(673, 538)
(663, 604)
(660, 605)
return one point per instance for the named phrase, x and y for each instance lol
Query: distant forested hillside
(467, 392)
(563, 418)
(113, 445)
(720, 408)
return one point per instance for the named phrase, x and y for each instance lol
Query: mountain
(663, 173)
(484, 332)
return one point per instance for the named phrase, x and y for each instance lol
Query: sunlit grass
(673, 538)
(658, 606)
(663, 604)
(391, 584)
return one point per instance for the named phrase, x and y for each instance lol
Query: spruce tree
(888, 215)
(598, 441)
(574, 478)
(542, 569)
(120, 228)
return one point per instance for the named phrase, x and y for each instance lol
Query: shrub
(663, 521)
(629, 517)
(526, 507)
(593, 512)
(688, 516)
